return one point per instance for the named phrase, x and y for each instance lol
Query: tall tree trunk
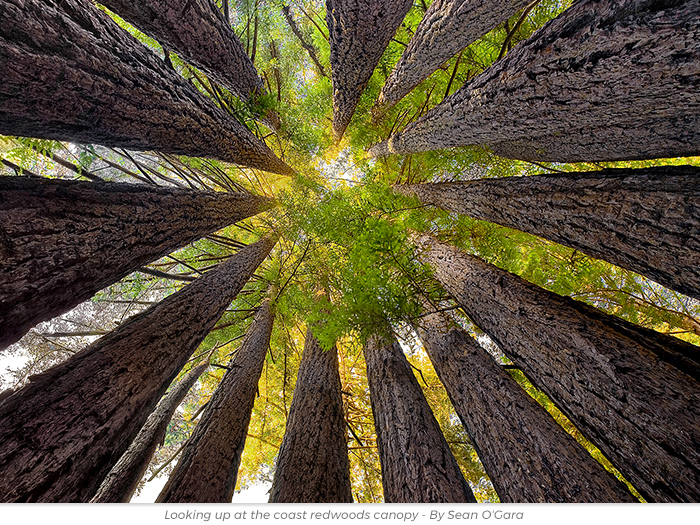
(310, 49)
(417, 463)
(312, 465)
(63, 241)
(606, 80)
(528, 456)
(121, 482)
(62, 433)
(359, 32)
(208, 467)
(71, 73)
(645, 220)
(631, 391)
(447, 27)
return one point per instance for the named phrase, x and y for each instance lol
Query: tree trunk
(359, 32)
(63, 241)
(71, 73)
(527, 455)
(447, 27)
(62, 433)
(208, 467)
(629, 390)
(606, 80)
(645, 220)
(121, 482)
(417, 464)
(312, 465)
(310, 49)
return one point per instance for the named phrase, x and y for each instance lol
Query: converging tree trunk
(71, 73)
(447, 27)
(62, 433)
(310, 49)
(121, 482)
(633, 392)
(359, 32)
(312, 464)
(527, 455)
(63, 241)
(417, 463)
(606, 80)
(208, 467)
(645, 220)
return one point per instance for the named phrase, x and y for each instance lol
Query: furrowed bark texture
(528, 456)
(71, 73)
(62, 433)
(417, 463)
(312, 465)
(121, 482)
(198, 32)
(613, 380)
(606, 80)
(63, 241)
(645, 220)
(208, 467)
(359, 32)
(447, 27)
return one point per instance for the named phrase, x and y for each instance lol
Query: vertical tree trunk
(63, 241)
(447, 27)
(527, 455)
(121, 482)
(417, 464)
(359, 32)
(62, 433)
(645, 220)
(631, 391)
(71, 73)
(312, 465)
(208, 467)
(310, 49)
(606, 80)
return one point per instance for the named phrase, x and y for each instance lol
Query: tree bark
(62, 433)
(208, 467)
(63, 241)
(633, 392)
(312, 464)
(447, 27)
(417, 464)
(359, 32)
(527, 455)
(71, 73)
(644, 220)
(606, 80)
(121, 482)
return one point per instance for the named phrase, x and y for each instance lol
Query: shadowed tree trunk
(417, 463)
(310, 49)
(312, 465)
(62, 433)
(447, 27)
(645, 220)
(71, 73)
(359, 32)
(208, 467)
(629, 390)
(63, 241)
(121, 482)
(527, 455)
(606, 80)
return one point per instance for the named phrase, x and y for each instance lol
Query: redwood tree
(71, 73)
(633, 392)
(417, 463)
(645, 220)
(606, 80)
(63, 241)
(62, 433)
(208, 467)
